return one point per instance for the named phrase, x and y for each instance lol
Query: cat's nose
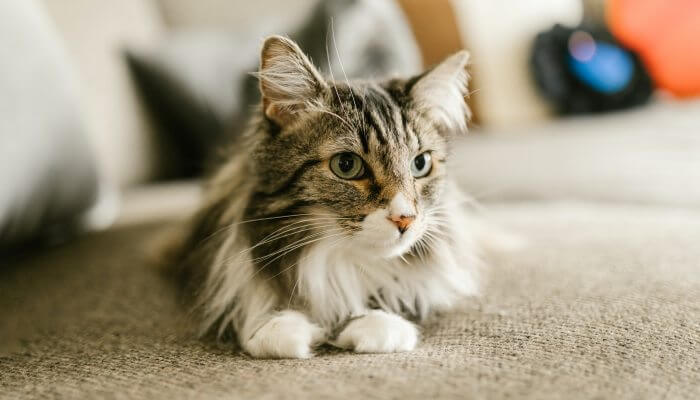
(401, 212)
(402, 221)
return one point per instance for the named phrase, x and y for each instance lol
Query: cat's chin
(377, 251)
(393, 247)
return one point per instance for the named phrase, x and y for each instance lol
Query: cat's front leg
(287, 334)
(378, 332)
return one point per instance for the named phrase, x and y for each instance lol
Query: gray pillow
(48, 175)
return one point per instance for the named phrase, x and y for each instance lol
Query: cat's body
(335, 220)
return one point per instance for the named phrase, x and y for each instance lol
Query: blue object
(606, 68)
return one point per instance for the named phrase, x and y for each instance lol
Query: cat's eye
(421, 165)
(347, 166)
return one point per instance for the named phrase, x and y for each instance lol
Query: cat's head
(369, 157)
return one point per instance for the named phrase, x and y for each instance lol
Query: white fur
(381, 237)
(378, 332)
(400, 206)
(288, 334)
(336, 281)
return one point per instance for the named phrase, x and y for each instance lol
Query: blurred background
(109, 111)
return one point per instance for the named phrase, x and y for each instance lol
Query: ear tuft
(288, 80)
(440, 93)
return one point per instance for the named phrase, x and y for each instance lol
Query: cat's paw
(378, 332)
(288, 334)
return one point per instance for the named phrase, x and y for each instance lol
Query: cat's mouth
(389, 243)
(382, 236)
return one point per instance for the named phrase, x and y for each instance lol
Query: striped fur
(285, 254)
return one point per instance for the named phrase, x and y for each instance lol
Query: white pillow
(48, 175)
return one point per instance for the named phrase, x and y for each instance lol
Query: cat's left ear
(440, 93)
(289, 83)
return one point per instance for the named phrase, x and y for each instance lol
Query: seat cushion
(604, 302)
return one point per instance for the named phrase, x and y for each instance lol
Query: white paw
(378, 332)
(288, 334)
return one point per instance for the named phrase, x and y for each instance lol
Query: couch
(602, 301)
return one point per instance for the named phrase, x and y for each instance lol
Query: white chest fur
(336, 281)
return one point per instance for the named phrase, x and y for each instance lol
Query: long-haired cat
(334, 220)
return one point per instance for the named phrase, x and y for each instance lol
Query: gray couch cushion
(602, 304)
(47, 170)
(648, 155)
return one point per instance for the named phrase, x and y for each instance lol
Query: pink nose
(402, 221)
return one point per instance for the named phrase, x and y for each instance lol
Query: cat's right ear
(289, 83)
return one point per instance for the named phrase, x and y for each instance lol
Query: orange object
(666, 34)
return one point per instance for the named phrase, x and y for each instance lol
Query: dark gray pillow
(199, 87)
(47, 173)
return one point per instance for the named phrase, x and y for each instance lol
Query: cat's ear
(440, 92)
(289, 83)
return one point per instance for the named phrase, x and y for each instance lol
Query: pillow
(49, 178)
(199, 87)
(125, 143)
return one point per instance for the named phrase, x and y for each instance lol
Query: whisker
(294, 288)
(309, 220)
(296, 281)
(330, 71)
(293, 244)
(235, 224)
(293, 231)
(340, 62)
(230, 258)
(292, 265)
(322, 110)
(294, 248)
(231, 226)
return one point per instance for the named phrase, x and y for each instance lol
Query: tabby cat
(334, 220)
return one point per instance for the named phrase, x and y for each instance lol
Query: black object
(186, 126)
(568, 92)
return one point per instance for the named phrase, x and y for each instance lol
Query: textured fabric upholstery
(603, 303)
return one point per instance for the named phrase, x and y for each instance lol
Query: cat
(334, 220)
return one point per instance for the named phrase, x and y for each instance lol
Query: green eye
(348, 166)
(421, 165)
